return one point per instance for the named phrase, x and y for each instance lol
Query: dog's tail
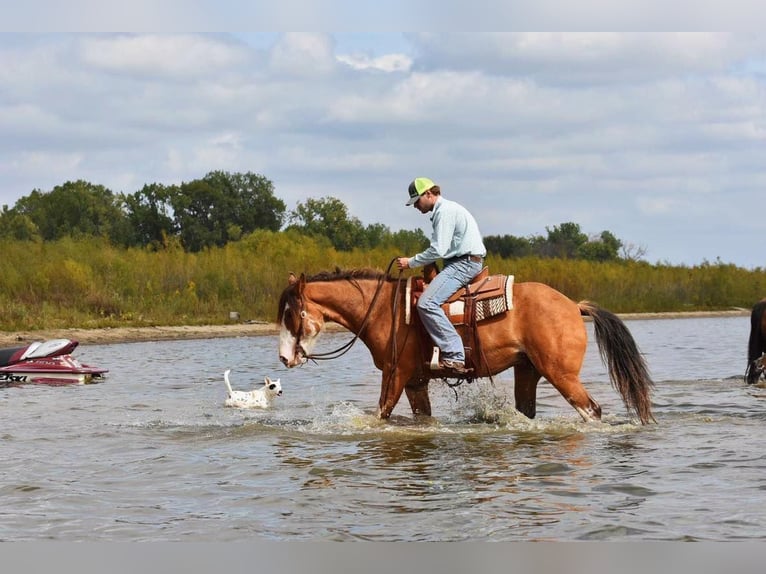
(226, 380)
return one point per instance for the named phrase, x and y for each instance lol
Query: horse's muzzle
(298, 359)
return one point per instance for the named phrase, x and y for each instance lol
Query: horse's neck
(348, 304)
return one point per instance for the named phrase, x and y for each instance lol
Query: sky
(659, 138)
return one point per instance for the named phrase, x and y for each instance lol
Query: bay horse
(756, 345)
(542, 335)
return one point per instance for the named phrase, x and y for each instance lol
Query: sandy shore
(135, 334)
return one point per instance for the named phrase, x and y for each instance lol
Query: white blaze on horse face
(292, 351)
(288, 345)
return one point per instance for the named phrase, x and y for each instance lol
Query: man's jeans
(454, 276)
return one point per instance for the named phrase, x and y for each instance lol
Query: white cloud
(645, 135)
(594, 58)
(303, 55)
(157, 56)
(387, 63)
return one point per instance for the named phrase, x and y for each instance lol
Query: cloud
(592, 58)
(386, 63)
(161, 56)
(304, 55)
(644, 135)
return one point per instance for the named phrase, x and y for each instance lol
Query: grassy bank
(90, 284)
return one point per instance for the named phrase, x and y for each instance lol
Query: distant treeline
(223, 207)
(90, 282)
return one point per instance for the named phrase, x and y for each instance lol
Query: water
(152, 454)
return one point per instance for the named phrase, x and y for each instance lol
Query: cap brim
(412, 200)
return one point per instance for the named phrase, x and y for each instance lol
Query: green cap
(418, 187)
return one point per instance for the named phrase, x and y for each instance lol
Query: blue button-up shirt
(455, 233)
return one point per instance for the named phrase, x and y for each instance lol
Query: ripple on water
(152, 454)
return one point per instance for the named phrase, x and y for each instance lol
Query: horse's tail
(757, 342)
(627, 368)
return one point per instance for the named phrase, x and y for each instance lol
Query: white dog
(262, 397)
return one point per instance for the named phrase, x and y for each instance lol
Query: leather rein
(343, 349)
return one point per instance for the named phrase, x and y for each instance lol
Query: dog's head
(272, 388)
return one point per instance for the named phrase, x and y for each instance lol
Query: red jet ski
(46, 362)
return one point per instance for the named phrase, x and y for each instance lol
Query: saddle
(484, 297)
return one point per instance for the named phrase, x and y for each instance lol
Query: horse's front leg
(390, 391)
(417, 393)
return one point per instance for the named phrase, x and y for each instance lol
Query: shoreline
(110, 335)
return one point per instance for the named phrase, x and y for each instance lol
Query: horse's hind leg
(573, 391)
(525, 378)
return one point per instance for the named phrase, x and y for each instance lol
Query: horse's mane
(339, 274)
(349, 274)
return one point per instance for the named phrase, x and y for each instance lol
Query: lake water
(152, 453)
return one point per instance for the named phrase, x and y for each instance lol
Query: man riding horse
(456, 240)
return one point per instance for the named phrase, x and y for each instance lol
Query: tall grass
(89, 283)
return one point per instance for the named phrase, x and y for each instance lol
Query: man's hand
(403, 262)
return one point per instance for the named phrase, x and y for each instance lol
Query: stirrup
(437, 365)
(434, 364)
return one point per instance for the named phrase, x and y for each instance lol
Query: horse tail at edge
(756, 343)
(619, 352)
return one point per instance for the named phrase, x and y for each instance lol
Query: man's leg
(441, 288)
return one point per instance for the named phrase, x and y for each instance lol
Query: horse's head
(301, 323)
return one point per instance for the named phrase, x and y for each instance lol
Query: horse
(542, 335)
(756, 345)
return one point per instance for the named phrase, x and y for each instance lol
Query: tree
(604, 248)
(507, 245)
(409, 242)
(222, 207)
(15, 225)
(565, 240)
(632, 252)
(76, 208)
(375, 234)
(150, 215)
(328, 217)
(197, 208)
(249, 200)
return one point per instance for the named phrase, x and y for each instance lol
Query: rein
(343, 349)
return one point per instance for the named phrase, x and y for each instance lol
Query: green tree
(376, 234)
(605, 248)
(15, 225)
(328, 217)
(150, 215)
(249, 202)
(409, 242)
(507, 245)
(565, 240)
(75, 209)
(222, 207)
(196, 207)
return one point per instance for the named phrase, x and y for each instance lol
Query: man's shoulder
(453, 206)
(448, 203)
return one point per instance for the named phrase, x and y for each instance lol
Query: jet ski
(47, 363)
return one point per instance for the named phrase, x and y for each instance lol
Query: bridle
(343, 349)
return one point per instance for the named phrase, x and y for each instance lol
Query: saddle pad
(493, 296)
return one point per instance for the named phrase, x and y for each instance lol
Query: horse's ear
(297, 282)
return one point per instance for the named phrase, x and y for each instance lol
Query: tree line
(223, 207)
